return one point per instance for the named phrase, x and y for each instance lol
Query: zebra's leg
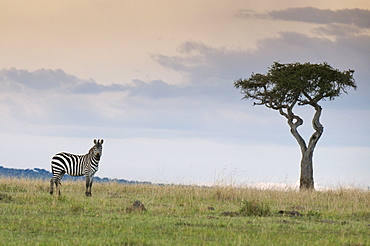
(58, 184)
(88, 186)
(51, 186)
(91, 182)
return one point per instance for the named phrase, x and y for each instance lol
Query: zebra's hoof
(88, 194)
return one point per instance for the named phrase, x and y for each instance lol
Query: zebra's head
(97, 149)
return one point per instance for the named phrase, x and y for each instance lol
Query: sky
(154, 79)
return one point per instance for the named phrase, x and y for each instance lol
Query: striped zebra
(76, 165)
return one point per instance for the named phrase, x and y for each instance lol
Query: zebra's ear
(94, 141)
(101, 141)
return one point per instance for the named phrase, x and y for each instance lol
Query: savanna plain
(180, 215)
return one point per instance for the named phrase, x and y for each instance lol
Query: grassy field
(180, 215)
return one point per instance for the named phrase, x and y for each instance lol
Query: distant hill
(43, 174)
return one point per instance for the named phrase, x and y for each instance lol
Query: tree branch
(294, 121)
(317, 126)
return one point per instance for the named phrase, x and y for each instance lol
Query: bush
(5, 197)
(314, 214)
(254, 208)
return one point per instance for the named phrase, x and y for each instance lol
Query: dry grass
(179, 215)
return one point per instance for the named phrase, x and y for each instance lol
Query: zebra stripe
(76, 165)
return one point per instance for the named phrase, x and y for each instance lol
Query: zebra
(76, 165)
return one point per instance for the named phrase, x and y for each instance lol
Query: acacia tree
(285, 86)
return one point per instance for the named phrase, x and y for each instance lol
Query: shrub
(314, 214)
(254, 208)
(5, 197)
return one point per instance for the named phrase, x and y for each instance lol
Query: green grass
(179, 215)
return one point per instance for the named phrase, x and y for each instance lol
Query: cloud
(356, 17)
(337, 30)
(216, 68)
(55, 102)
(59, 82)
(41, 79)
(155, 89)
(52, 101)
(204, 63)
(50, 80)
(340, 37)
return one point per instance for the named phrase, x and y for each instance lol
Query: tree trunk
(306, 180)
(294, 121)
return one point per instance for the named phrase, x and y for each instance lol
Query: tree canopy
(287, 84)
